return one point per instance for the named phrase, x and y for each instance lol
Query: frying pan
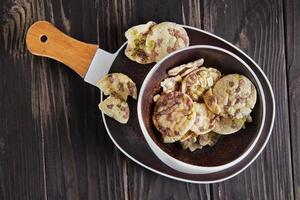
(91, 63)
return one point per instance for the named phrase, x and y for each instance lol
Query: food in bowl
(151, 42)
(174, 115)
(195, 141)
(233, 96)
(185, 69)
(225, 126)
(199, 107)
(205, 119)
(199, 81)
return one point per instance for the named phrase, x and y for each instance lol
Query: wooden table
(53, 144)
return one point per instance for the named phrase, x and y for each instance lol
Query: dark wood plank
(50, 145)
(22, 173)
(21, 146)
(257, 27)
(55, 142)
(292, 18)
(143, 184)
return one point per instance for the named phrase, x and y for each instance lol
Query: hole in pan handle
(43, 39)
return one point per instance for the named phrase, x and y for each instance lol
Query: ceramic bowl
(230, 149)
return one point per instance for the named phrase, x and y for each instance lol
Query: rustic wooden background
(53, 144)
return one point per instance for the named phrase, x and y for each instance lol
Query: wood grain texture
(257, 27)
(55, 142)
(21, 156)
(292, 18)
(22, 174)
(143, 184)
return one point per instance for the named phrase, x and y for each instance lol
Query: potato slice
(171, 84)
(181, 68)
(165, 38)
(118, 85)
(226, 126)
(233, 96)
(205, 119)
(136, 37)
(209, 139)
(173, 115)
(189, 141)
(198, 82)
(116, 109)
(194, 142)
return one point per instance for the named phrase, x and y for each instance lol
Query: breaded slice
(226, 126)
(210, 139)
(173, 116)
(181, 68)
(116, 109)
(136, 37)
(205, 119)
(194, 141)
(165, 38)
(233, 96)
(118, 85)
(198, 82)
(171, 84)
(189, 140)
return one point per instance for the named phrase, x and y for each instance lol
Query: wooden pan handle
(43, 39)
